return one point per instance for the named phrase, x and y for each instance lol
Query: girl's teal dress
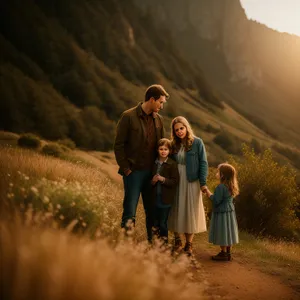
(223, 225)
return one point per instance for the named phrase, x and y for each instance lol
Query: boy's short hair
(164, 142)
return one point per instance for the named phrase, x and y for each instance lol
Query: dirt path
(240, 280)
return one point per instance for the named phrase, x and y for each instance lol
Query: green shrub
(67, 143)
(256, 146)
(292, 155)
(269, 195)
(66, 202)
(228, 142)
(211, 129)
(53, 149)
(29, 140)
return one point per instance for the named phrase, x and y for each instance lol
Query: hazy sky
(282, 15)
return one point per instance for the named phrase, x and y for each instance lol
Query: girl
(223, 225)
(165, 180)
(187, 214)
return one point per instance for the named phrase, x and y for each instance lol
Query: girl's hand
(208, 193)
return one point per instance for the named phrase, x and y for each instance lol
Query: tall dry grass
(65, 189)
(49, 264)
(40, 261)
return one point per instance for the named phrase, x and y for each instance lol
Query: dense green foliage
(228, 142)
(67, 143)
(269, 196)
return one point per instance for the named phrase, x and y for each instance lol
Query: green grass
(274, 257)
(279, 258)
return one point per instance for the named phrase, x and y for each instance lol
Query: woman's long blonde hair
(176, 141)
(228, 176)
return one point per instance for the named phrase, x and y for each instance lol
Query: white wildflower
(46, 200)
(34, 190)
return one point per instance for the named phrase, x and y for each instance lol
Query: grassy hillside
(83, 194)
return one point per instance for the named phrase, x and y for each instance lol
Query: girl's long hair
(228, 176)
(176, 141)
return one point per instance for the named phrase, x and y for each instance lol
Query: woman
(187, 213)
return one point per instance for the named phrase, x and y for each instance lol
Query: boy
(165, 180)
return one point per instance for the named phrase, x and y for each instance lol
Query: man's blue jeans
(138, 182)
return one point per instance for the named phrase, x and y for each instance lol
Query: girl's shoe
(188, 249)
(177, 245)
(223, 256)
(228, 250)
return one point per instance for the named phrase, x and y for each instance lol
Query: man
(138, 131)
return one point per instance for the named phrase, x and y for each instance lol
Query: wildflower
(8, 174)
(46, 200)
(73, 204)
(26, 177)
(61, 217)
(48, 215)
(34, 190)
(58, 206)
(83, 224)
(11, 184)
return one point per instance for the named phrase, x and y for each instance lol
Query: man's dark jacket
(131, 137)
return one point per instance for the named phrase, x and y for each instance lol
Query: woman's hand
(204, 189)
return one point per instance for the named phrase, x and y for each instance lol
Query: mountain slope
(68, 69)
(257, 67)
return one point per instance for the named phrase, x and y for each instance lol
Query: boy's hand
(160, 178)
(154, 179)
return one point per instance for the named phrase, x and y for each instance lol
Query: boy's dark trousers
(161, 215)
(136, 183)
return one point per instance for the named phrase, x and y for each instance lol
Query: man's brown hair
(164, 142)
(155, 91)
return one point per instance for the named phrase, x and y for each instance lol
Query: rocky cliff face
(243, 44)
(223, 23)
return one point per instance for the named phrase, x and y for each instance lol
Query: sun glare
(281, 15)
